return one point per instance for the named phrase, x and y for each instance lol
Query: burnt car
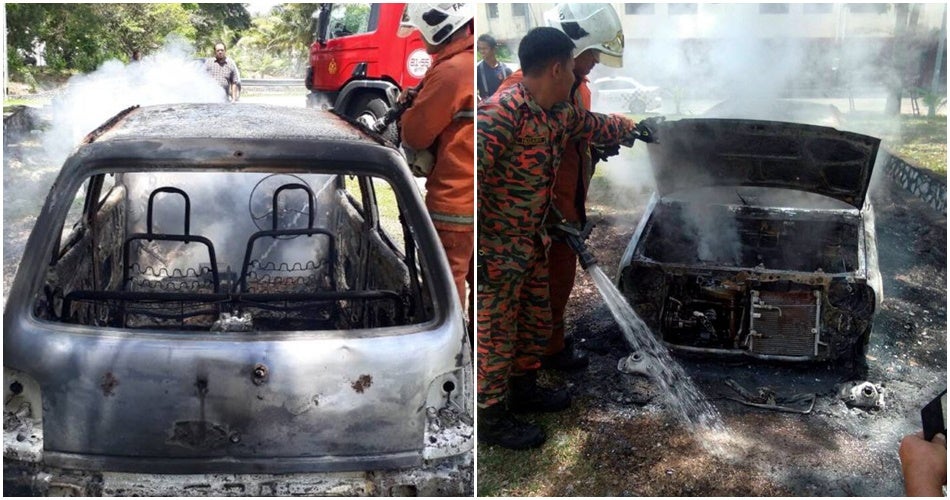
(235, 300)
(759, 241)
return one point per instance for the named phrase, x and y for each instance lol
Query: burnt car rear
(759, 241)
(235, 300)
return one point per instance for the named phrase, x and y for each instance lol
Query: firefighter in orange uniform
(441, 118)
(598, 37)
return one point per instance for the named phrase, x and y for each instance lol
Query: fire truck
(362, 58)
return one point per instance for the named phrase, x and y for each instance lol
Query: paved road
(298, 100)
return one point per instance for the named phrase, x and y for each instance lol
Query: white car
(622, 93)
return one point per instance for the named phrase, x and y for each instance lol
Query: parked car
(621, 93)
(235, 299)
(758, 242)
(786, 110)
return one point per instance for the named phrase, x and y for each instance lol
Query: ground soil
(834, 450)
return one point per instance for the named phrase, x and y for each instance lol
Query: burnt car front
(759, 241)
(235, 300)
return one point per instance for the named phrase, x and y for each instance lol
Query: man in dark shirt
(491, 72)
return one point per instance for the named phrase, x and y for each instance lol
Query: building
(803, 45)
(702, 20)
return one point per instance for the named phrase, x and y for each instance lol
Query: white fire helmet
(592, 26)
(436, 21)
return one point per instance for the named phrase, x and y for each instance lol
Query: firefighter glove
(601, 153)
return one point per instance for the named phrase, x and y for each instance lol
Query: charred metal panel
(702, 152)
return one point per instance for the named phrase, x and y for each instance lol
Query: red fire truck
(360, 62)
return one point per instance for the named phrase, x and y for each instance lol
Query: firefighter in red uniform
(598, 38)
(441, 117)
(522, 135)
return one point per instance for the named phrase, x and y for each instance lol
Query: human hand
(407, 95)
(924, 464)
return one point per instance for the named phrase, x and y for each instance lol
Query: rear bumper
(446, 477)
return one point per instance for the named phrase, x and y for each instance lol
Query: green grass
(534, 472)
(9, 103)
(386, 205)
(920, 139)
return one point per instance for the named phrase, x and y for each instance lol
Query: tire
(859, 355)
(637, 107)
(374, 107)
(308, 81)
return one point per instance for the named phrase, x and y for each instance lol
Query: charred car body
(235, 300)
(759, 241)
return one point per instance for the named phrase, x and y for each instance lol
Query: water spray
(688, 403)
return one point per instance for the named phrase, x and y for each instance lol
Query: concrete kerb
(922, 183)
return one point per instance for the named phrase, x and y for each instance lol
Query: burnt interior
(718, 278)
(727, 236)
(232, 251)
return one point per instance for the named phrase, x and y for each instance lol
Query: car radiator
(785, 323)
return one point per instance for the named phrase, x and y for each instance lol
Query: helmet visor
(405, 25)
(611, 52)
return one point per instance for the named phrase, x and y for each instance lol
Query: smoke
(171, 75)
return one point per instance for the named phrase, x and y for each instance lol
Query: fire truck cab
(360, 61)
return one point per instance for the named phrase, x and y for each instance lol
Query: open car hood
(727, 152)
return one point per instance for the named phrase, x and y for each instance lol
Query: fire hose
(574, 236)
(396, 111)
(421, 161)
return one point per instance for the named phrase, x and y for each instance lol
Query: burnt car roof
(697, 153)
(227, 121)
(232, 136)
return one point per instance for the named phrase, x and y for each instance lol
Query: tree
(142, 26)
(215, 22)
(80, 37)
(277, 44)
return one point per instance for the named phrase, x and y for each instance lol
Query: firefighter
(441, 118)
(522, 134)
(598, 38)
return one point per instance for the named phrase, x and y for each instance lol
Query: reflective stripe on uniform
(453, 219)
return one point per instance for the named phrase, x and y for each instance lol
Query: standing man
(491, 72)
(224, 72)
(441, 117)
(522, 135)
(597, 34)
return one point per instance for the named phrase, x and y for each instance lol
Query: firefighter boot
(526, 396)
(568, 360)
(496, 425)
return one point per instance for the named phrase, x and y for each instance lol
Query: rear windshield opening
(235, 252)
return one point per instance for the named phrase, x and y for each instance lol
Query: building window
(639, 9)
(679, 9)
(493, 10)
(868, 8)
(817, 8)
(773, 8)
(519, 9)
